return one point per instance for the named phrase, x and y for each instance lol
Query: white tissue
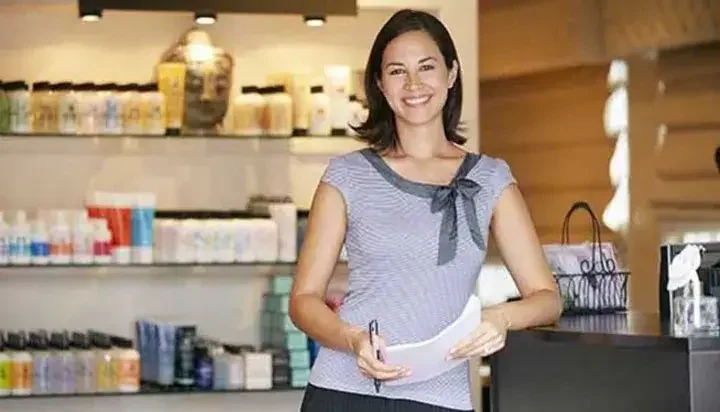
(683, 271)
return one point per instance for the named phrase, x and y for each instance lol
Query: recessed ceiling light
(205, 18)
(90, 15)
(314, 21)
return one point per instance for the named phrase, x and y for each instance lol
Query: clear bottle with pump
(60, 240)
(4, 241)
(41, 362)
(20, 238)
(39, 244)
(83, 237)
(21, 362)
(126, 362)
(104, 367)
(5, 369)
(84, 364)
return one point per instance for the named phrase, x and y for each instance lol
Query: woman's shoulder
(350, 162)
(491, 170)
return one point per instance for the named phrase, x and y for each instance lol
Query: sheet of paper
(427, 359)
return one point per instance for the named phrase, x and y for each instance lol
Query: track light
(205, 18)
(314, 21)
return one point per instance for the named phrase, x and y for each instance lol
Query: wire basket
(599, 288)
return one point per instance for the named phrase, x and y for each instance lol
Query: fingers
(373, 367)
(483, 342)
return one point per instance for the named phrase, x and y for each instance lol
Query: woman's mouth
(416, 101)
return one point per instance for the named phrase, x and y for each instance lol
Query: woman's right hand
(365, 352)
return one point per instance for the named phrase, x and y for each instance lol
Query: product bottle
(102, 237)
(19, 95)
(112, 109)
(41, 362)
(5, 369)
(4, 110)
(127, 367)
(63, 369)
(319, 112)
(104, 368)
(60, 240)
(20, 365)
(4, 241)
(203, 368)
(19, 246)
(68, 109)
(142, 217)
(84, 364)
(83, 238)
(40, 244)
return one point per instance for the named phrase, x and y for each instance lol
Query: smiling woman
(412, 71)
(414, 211)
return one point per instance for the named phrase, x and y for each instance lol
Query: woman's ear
(453, 74)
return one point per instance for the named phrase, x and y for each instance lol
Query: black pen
(373, 330)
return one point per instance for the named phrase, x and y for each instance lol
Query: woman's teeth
(416, 101)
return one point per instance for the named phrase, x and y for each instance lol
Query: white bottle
(60, 240)
(102, 237)
(4, 240)
(319, 112)
(40, 244)
(83, 237)
(19, 246)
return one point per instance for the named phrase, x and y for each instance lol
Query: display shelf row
(212, 269)
(207, 144)
(153, 389)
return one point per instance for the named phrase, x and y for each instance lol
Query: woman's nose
(412, 81)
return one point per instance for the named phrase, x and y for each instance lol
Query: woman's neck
(422, 142)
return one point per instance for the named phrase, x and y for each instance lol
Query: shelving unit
(149, 390)
(153, 144)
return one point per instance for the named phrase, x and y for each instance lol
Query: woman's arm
(514, 233)
(324, 237)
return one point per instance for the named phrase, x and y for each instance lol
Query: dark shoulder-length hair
(379, 131)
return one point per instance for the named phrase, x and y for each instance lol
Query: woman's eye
(427, 67)
(394, 72)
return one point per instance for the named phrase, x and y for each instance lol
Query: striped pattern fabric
(392, 243)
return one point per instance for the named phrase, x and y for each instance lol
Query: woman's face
(415, 79)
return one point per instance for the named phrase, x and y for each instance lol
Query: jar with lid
(4, 110)
(358, 115)
(319, 112)
(132, 110)
(248, 111)
(89, 104)
(279, 110)
(153, 110)
(18, 95)
(44, 108)
(110, 109)
(68, 108)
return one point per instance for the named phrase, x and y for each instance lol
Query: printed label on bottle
(19, 115)
(105, 375)
(40, 249)
(41, 376)
(5, 375)
(60, 248)
(21, 376)
(128, 372)
(19, 246)
(101, 248)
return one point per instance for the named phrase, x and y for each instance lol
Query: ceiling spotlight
(314, 21)
(90, 15)
(205, 18)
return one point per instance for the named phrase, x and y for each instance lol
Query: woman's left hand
(487, 339)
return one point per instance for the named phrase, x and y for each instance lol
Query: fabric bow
(444, 199)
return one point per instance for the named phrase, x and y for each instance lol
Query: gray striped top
(414, 253)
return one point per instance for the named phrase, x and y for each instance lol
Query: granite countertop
(622, 330)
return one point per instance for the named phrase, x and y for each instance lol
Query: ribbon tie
(445, 199)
